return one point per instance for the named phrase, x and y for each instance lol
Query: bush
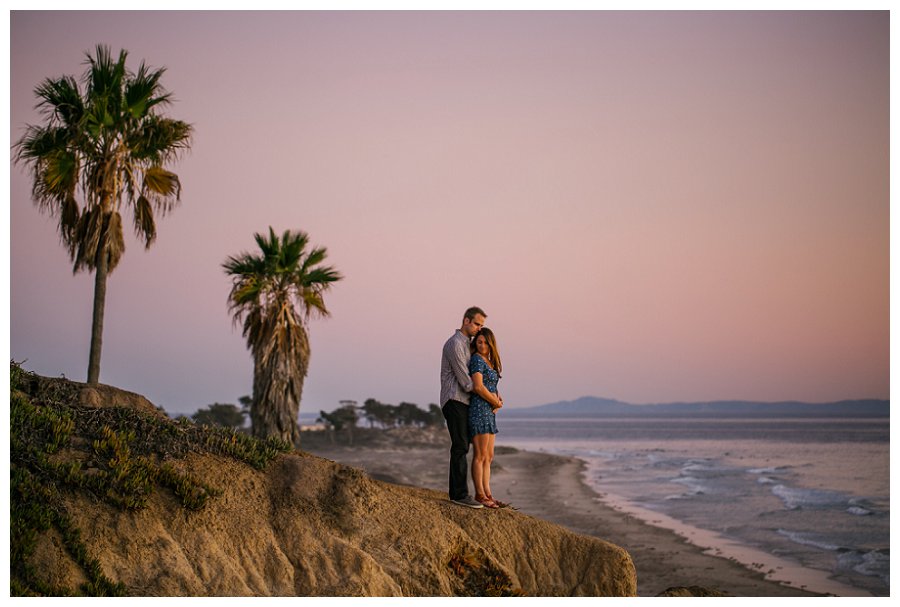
(107, 462)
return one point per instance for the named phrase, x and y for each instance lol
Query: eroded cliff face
(309, 526)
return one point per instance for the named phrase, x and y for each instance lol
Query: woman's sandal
(498, 502)
(486, 501)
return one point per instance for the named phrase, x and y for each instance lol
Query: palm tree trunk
(101, 272)
(278, 376)
(276, 401)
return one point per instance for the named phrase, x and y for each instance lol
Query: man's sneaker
(467, 501)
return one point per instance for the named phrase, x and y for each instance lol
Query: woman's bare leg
(488, 458)
(479, 445)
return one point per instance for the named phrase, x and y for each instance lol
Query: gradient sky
(650, 206)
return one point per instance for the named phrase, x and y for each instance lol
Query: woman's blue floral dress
(481, 417)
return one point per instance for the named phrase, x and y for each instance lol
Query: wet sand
(550, 487)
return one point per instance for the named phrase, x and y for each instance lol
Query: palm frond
(144, 222)
(105, 75)
(293, 244)
(87, 238)
(143, 91)
(266, 246)
(314, 304)
(115, 240)
(158, 139)
(247, 293)
(104, 81)
(96, 226)
(314, 258)
(38, 142)
(234, 264)
(60, 100)
(68, 218)
(162, 187)
(99, 177)
(54, 165)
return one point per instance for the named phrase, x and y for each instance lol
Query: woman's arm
(479, 389)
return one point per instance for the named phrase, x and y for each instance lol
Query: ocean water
(811, 492)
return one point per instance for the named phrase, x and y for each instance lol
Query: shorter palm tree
(275, 293)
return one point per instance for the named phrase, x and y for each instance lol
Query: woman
(485, 368)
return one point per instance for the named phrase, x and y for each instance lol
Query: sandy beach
(550, 487)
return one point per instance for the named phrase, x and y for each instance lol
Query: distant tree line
(404, 414)
(225, 414)
(343, 419)
(346, 417)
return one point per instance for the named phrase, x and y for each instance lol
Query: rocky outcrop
(97, 396)
(309, 526)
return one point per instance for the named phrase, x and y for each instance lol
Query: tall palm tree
(108, 145)
(276, 293)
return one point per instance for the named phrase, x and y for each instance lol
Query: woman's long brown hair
(493, 351)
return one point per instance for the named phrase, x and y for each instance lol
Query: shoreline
(773, 568)
(552, 487)
(663, 557)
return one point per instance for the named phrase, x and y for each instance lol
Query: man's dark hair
(471, 312)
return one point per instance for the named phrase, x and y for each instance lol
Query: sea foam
(795, 498)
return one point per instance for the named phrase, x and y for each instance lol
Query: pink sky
(649, 206)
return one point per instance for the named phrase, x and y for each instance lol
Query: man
(455, 387)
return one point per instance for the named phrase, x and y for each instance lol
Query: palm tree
(276, 293)
(109, 145)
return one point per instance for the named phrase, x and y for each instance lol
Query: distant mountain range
(591, 406)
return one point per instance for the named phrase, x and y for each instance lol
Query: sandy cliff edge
(309, 526)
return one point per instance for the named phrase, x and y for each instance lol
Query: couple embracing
(470, 370)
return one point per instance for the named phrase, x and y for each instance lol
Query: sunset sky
(650, 206)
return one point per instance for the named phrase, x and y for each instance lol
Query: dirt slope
(309, 526)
